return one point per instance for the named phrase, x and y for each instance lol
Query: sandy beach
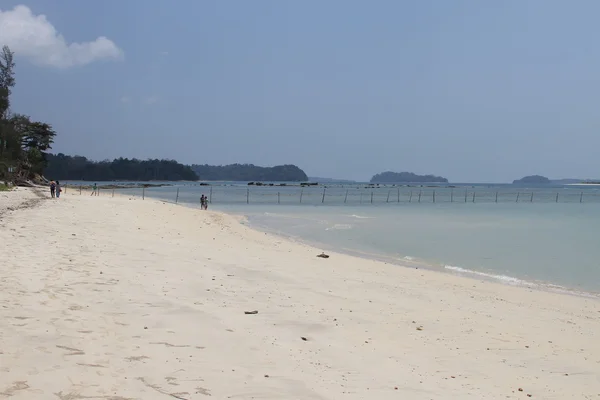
(118, 298)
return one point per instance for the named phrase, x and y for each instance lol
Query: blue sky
(470, 90)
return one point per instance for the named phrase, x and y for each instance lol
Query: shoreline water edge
(139, 299)
(548, 243)
(412, 262)
(403, 260)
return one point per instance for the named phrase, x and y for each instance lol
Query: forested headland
(250, 172)
(64, 167)
(406, 177)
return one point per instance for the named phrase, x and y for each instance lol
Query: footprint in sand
(73, 351)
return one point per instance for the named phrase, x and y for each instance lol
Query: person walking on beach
(95, 190)
(58, 189)
(52, 188)
(202, 202)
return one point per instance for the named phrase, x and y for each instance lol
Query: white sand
(18, 197)
(110, 298)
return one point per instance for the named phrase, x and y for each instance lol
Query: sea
(545, 236)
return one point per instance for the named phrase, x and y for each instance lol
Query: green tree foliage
(63, 167)
(23, 143)
(7, 80)
(249, 172)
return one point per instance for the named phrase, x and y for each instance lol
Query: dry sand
(111, 298)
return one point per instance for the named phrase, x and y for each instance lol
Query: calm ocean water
(543, 236)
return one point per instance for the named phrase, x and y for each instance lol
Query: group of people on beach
(55, 189)
(203, 202)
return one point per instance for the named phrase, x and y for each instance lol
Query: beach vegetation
(23, 142)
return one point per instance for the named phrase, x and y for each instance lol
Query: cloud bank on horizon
(35, 38)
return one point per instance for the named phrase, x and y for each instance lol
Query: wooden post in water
(466, 193)
(143, 192)
(434, 195)
(247, 196)
(410, 198)
(420, 191)
(581, 198)
(451, 195)
(80, 189)
(177, 197)
(323, 199)
(557, 197)
(517, 197)
(496, 197)
(531, 200)
(210, 195)
(301, 193)
(398, 195)
(388, 198)
(371, 197)
(473, 196)
(278, 198)
(346, 197)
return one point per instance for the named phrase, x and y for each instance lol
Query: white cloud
(151, 100)
(34, 37)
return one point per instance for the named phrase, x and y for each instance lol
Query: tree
(36, 135)
(7, 80)
(23, 143)
(35, 139)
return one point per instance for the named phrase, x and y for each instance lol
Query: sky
(475, 91)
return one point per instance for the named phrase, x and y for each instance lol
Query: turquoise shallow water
(527, 244)
(541, 242)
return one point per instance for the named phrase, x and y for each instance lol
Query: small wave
(358, 216)
(502, 278)
(339, 227)
(409, 258)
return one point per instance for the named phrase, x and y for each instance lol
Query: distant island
(576, 181)
(249, 172)
(406, 177)
(532, 179)
(567, 181)
(329, 180)
(541, 180)
(64, 167)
